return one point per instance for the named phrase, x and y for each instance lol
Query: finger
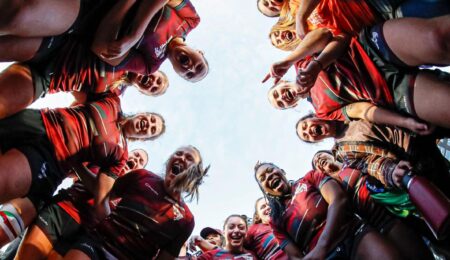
(276, 81)
(266, 78)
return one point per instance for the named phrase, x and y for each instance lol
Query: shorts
(91, 248)
(399, 77)
(59, 227)
(26, 132)
(386, 9)
(346, 249)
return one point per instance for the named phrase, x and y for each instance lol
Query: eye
(152, 119)
(278, 42)
(189, 75)
(159, 81)
(154, 89)
(304, 125)
(199, 68)
(276, 33)
(280, 104)
(269, 170)
(179, 153)
(275, 94)
(153, 130)
(189, 157)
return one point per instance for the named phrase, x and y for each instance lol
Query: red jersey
(76, 68)
(351, 78)
(146, 220)
(88, 133)
(262, 242)
(223, 254)
(303, 220)
(168, 24)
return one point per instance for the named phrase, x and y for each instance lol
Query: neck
(235, 250)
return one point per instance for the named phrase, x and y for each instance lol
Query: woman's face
(188, 63)
(215, 239)
(284, 37)
(235, 231)
(154, 84)
(284, 95)
(263, 211)
(270, 8)
(143, 126)
(137, 159)
(272, 180)
(326, 163)
(179, 162)
(314, 129)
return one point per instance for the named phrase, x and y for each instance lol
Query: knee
(439, 39)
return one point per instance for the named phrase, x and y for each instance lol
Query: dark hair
(276, 203)
(320, 151)
(307, 116)
(243, 217)
(259, 9)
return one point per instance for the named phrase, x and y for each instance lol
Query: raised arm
(379, 115)
(106, 44)
(336, 217)
(314, 42)
(304, 11)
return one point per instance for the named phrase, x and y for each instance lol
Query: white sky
(227, 115)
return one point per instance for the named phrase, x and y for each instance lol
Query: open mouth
(131, 164)
(178, 166)
(274, 182)
(317, 130)
(183, 59)
(142, 125)
(288, 96)
(236, 237)
(287, 35)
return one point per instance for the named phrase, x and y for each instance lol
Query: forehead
(263, 168)
(235, 221)
(261, 203)
(191, 151)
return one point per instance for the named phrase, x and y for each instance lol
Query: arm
(304, 11)
(106, 45)
(202, 243)
(379, 115)
(314, 42)
(292, 251)
(334, 49)
(86, 176)
(101, 195)
(337, 203)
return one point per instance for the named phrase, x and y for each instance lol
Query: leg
(13, 48)
(431, 99)
(374, 246)
(15, 175)
(35, 245)
(19, 213)
(31, 18)
(410, 245)
(428, 40)
(16, 90)
(54, 256)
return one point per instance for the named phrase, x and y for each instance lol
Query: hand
(277, 71)
(316, 254)
(307, 77)
(193, 242)
(101, 212)
(119, 48)
(399, 172)
(301, 28)
(418, 127)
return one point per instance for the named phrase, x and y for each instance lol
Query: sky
(227, 115)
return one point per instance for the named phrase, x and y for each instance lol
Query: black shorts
(25, 132)
(346, 249)
(90, 247)
(59, 227)
(399, 78)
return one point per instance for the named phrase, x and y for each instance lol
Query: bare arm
(292, 251)
(304, 11)
(101, 195)
(106, 44)
(337, 203)
(379, 115)
(314, 42)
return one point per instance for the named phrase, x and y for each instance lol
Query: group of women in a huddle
(94, 50)
(363, 66)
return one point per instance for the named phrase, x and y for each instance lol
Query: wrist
(318, 62)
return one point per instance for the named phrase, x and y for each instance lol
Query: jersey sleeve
(126, 181)
(186, 11)
(250, 237)
(317, 178)
(281, 236)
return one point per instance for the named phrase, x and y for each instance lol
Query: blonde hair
(190, 181)
(285, 24)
